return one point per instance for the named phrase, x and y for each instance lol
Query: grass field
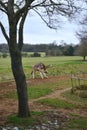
(61, 65)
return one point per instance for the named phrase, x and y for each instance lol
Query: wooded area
(49, 49)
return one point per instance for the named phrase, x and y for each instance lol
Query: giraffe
(41, 68)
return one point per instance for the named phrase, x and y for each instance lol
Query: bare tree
(16, 11)
(82, 33)
(82, 49)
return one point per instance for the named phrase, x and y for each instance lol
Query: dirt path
(55, 94)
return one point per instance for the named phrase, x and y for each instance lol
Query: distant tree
(75, 53)
(68, 50)
(53, 52)
(4, 55)
(82, 49)
(82, 33)
(4, 48)
(24, 54)
(36, 54)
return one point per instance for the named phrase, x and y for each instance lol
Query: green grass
(36, 92)
(57, 103)
(75, 98)
(10, 95)
(80, 123)
(40, 89)
(61, 65)
(33, 92)
(75, 123)
(32, 120)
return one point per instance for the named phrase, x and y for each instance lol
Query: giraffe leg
(45, 75)
(41, 74)
(33, 75)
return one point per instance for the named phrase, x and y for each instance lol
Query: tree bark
(84, 58)
(17, 69)
(20, 79)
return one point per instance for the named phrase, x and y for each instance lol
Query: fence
(79, 82)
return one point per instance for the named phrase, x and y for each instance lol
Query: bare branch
(20, 40)
(24, 8)
(51, 11)
(3, 10)
(3, 6)
(49, 25)
(4, 32)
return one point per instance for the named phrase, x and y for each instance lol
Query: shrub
(4, 55)
(36, 54)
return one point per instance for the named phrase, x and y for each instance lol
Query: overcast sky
(36, 31)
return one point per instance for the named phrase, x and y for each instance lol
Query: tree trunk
(20, 79)
(84, 58)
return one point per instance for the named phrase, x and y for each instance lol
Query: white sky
(36, 31)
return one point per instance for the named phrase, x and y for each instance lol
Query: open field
(50, 99)
(61, 65)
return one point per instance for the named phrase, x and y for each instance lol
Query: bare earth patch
(9, 106)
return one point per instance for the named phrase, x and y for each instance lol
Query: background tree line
(51, 49)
